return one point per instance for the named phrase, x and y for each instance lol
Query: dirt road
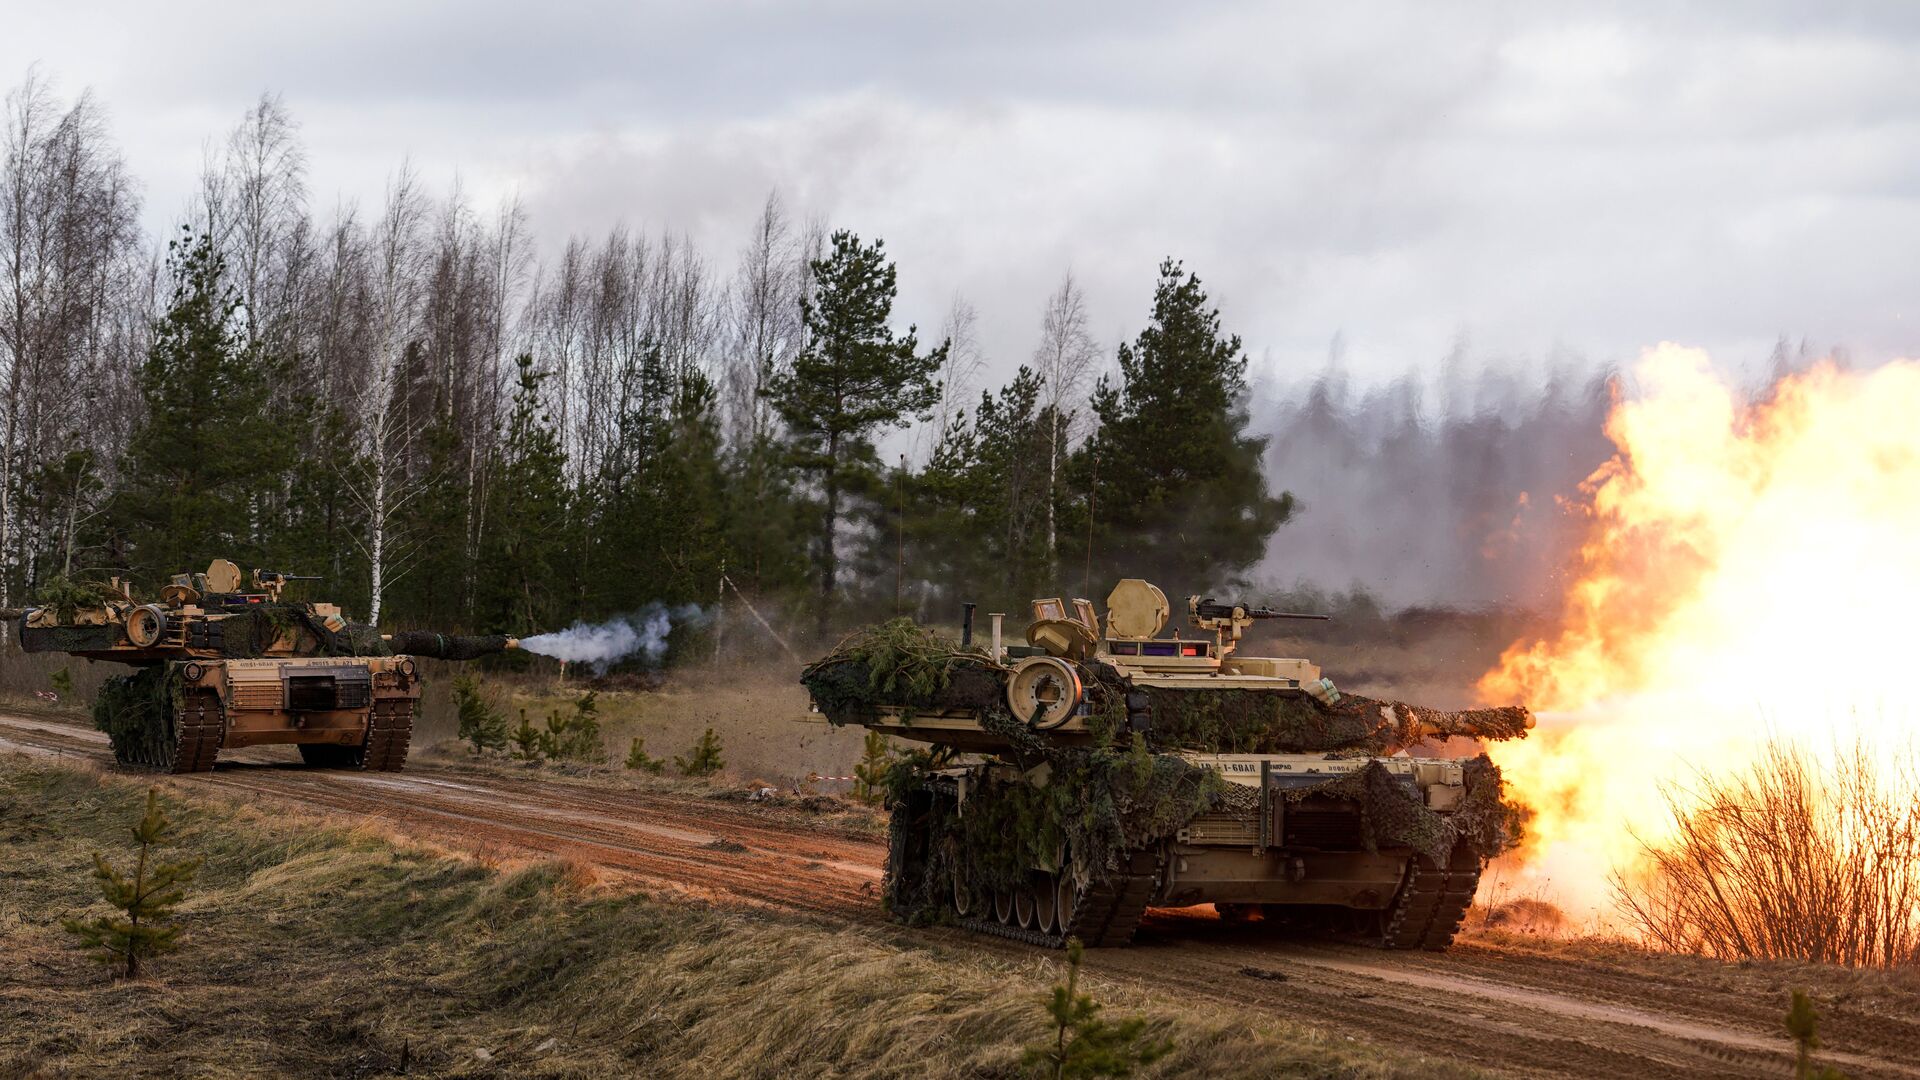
(1518, 1010)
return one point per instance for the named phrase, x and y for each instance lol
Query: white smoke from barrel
(600, 645)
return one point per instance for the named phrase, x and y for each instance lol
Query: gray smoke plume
(1447, 492)
(642, 634)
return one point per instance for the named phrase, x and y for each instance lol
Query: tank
(219, 664)
(1069, 783)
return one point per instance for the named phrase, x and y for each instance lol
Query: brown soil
(1501, 1002)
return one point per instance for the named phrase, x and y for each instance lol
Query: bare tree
(394, 268)
(67, 243)
(764, 316)
(264, 189)
(960, 330)
(1064, 359)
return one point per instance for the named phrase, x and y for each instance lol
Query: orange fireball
(1751, 569)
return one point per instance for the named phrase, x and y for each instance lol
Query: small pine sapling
(870, 775)
(575, 737)
(526, 739)
(481, 723)
(1803, 1023)
(62, 682)
(1085, 1045)
(638, 758)
(703, 759)
(147, 899)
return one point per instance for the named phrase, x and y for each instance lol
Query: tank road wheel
(1064, 895)
(1024, 906)
(332, 755)
(1003, 907)
(1046, 902)
(1431, 903)
(962, 892)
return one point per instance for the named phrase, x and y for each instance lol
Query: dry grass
(311, 949)
(1785, 861)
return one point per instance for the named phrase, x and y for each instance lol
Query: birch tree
(66, 241)
(395, 287)
(1063, 360)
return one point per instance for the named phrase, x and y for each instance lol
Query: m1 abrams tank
(221, 666)
(1072, 782)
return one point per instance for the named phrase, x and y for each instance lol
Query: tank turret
(225, 660)
(1104, 766)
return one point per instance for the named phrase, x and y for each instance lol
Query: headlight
(406, 667)
(192, 671)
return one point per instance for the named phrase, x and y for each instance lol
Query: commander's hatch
(1137, 611)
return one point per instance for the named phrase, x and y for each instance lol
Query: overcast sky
(1531, 178)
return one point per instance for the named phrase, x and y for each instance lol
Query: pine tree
(524, 582)
(147, 898)
(869, 776)
(638, 758)
(703, 759)
(853, 378)
(481, 724)
(207, 448)
(1085, 1045)
(1180, 495)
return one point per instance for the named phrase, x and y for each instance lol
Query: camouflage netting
(136, 711)
(67, 638)
(445, 646)
(1393, 815)
(1253, 722)
(1097, 804)
(900, 664)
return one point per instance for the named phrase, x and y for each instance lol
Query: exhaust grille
(1222, 830)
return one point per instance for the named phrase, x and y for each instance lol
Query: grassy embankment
(312, 949)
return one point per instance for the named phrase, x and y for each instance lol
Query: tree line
(458, 433)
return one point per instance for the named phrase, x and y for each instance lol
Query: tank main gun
(448, 646)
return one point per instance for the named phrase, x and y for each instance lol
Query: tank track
(389, 732)
(1105, 914)
(198, 731)
(1432, 902)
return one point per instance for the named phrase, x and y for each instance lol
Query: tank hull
(1310, 861)
(345, 712)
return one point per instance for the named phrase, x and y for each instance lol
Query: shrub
(1085, 1045)
(146, 899)
(703, 759)
(1783, 861)
(62, 682)
(638, 758)
(481, 722)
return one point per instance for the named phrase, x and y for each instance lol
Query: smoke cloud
(1441, 492)
(642, 634)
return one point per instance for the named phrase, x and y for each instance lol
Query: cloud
(1527, 177)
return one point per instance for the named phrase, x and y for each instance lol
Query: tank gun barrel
(449, 646)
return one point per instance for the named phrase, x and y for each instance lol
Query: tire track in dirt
(1507, 1011)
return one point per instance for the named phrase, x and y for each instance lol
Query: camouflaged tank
(1072, 782)
(219, 666)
